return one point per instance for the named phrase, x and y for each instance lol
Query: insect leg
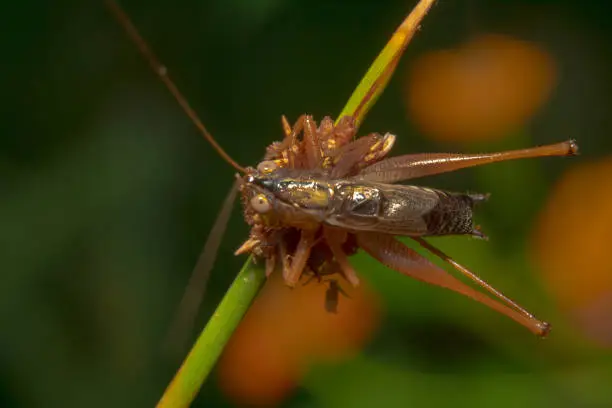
(293, 271)
(426, 164)
(392, 253)
(335, 238)
(466, 272)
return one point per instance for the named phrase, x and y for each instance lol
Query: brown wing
(391, 209)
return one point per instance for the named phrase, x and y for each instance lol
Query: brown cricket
(321, 194)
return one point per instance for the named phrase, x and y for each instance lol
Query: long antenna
(162, 73)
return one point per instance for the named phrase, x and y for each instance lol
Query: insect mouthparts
(264, 182)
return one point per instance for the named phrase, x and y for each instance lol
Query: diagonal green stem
(209, 345)
(207, 349)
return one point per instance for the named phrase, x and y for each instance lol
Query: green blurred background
(108, 193)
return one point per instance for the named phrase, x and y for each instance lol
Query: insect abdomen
(452, 215)
(420, 211)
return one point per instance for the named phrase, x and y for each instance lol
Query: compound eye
(266, 167)
(260, 203)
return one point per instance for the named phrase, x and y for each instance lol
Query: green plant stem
(211, 342)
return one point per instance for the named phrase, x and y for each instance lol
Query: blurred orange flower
(485, 89)
(572, 247)
(287, 329)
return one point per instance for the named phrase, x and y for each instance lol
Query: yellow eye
(266, 167)
(260, 203)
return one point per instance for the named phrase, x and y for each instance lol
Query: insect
(322, 193)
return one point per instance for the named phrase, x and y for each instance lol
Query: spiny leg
(426, 164)
(293, 271)
(479, 281)
(399, 257)
(335, 238)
